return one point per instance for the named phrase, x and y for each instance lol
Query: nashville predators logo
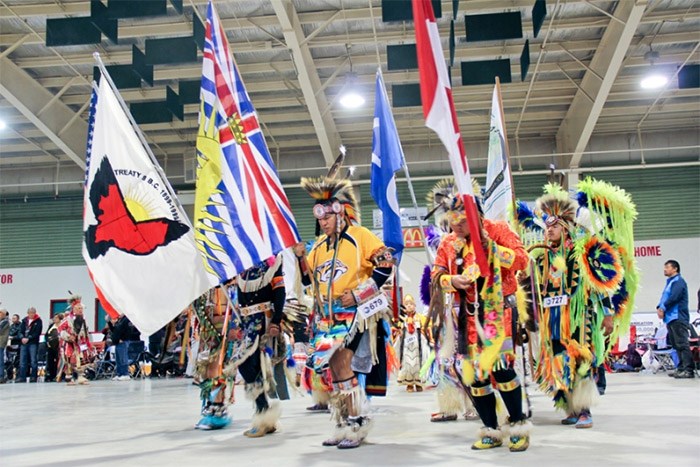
(324, 270)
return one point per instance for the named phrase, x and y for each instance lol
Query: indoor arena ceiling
(586, 63)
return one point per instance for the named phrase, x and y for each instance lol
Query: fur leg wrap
(584, 395)
(490, 432)
(521, 428)
(320, 397)
(450, 399)
(347, 398)
(267, 420)
(358, 428)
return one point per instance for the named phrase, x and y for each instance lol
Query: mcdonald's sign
(412, 238)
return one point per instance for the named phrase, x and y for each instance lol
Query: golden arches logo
(412, 238)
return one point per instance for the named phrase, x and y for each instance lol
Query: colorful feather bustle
(602, 266)
(615, 214)
(526, 217)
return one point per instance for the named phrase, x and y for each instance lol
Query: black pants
(678, 338)
(601, 382)
(486, 405)
(251, 370)
(51, 364)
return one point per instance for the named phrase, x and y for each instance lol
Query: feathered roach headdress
(333, 195)
(445, 202)
(438, 199)
(557, 207)
(74, 299)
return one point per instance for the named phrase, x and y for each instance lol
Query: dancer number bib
(373, 305)
(558, 300)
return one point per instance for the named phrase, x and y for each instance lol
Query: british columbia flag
(242, 214)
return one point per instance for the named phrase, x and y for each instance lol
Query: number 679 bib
(373, 305)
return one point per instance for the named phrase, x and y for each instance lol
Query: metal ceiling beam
(55, 119)
(327, 134)
(576, 128)
(54, 9)
(154, 28)
(122, 54)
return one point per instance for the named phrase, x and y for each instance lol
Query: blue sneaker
(570, 419)
(585, 420)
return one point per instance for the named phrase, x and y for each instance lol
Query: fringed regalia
(412, 347)
(353, 260)
(77, 353)
(481, 323)
(587, 281)
(211, 311)
(260, 299)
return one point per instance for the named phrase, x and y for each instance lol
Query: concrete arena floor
(643, 419)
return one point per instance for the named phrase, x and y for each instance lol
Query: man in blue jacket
(673, 309)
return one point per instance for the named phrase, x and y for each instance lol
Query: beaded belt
(255, 309)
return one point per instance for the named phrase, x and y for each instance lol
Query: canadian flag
(440, 115)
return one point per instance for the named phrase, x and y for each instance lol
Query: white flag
(138, 243)
(498, 194)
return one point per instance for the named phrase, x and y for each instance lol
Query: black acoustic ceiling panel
(199, 31)
(71, 31)
(689, 77)
(493, 26)
(539, 11)
(405, 95)
(117, 9)
(455, 8)
(525, 60)
(123, 76)
(402, 57)
(402, 10)
(485, 72)
(189, 91)
(151, 112)
(108, 26)
(172, 101)
(138, 61)
(177, 4)
(171, 50)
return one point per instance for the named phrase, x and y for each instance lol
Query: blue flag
(387, 158)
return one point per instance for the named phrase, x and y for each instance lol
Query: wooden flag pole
(505, 138)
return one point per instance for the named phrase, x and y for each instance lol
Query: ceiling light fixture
(3, 125)
(351, 94)
(653, 80)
